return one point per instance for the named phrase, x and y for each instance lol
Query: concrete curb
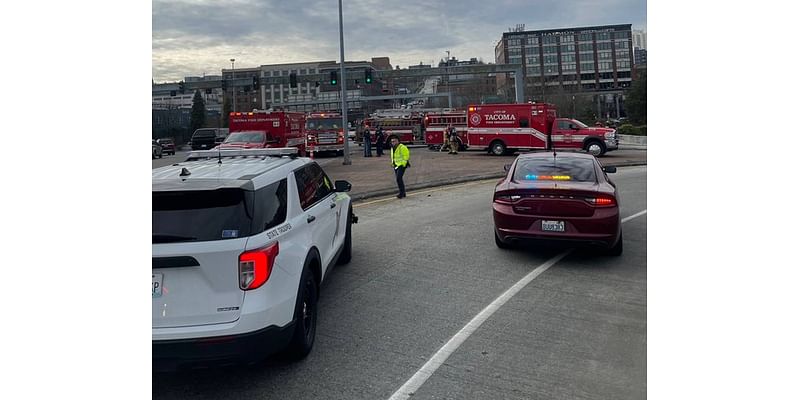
(446, 182)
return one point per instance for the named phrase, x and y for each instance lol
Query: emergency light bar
(273, 152)
(548, 177)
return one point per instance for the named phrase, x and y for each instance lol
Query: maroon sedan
(558, 197)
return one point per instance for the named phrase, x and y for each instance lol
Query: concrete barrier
(633, 139)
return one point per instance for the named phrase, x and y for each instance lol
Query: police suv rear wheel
(305, 314)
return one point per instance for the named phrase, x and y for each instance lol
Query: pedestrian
(379, 141)
(367, 142)
(452, 135)
(400, 156)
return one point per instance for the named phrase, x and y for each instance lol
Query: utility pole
(233, 83)
(343, 79)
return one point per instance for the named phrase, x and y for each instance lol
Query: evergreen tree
(198, 116)
(636, 101)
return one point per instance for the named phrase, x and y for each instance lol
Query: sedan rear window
(196, 216)
(555, 169)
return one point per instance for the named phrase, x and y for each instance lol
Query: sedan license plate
(157, 281)
(553, 226)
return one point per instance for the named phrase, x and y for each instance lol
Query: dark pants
(379, 146)
(367, 147)
(398, 173)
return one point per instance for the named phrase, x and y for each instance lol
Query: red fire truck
(437, 122)
(262, 129)
(505, 128)
(407, 125)
(324, 133)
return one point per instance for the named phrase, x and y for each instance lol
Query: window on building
(586, 56)
(587, 77)
(567, 39)
(533, 40)
(604, 55)
(550, 49)
(587, 67)
(302, 71)
(285, 72)
(586, 47)
(514, 42)
(622, 35)
(550, 39)
(515, 60)
(568, 48)
(607, 75)
(604, 65)
(566, 58)
(532, 60)
(622, 44)
(588, 86)
(553, 59)
(604, 46)
(514, 52)
(603, 36)
(551, 69)
(569, 67)
(623, 64)
(585, 37)
(534, 70)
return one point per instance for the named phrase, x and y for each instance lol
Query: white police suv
(242, 240)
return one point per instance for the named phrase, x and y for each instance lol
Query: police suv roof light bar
(269, 152)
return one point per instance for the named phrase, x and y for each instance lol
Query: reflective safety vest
(400, 155)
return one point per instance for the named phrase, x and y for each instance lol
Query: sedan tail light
(506, 198)
(601, 201)
(255, 266)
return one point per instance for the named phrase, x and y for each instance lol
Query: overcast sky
(193, 37)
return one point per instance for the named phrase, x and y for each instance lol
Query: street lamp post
(233, 83)
(343, 79)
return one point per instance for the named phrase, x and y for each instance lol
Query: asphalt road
(422, 268)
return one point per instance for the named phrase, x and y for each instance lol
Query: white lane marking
(640, 213)
(412, 385)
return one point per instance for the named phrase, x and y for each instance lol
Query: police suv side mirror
(609, 170)
(507, 167)
(342, 186)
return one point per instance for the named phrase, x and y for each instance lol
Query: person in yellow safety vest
(400, 156)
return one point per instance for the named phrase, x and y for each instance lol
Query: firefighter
(400, 156)
(379, 140)
(446, 140)
(367, 142)
(452, 135)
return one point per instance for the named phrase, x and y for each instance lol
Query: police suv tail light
(255, 266)
(601, 201)
(506, 198)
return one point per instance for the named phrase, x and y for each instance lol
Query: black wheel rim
(308, 311)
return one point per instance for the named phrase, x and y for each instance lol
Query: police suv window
(305, 187)
(321, 181)
(270, 206)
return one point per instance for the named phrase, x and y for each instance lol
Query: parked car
(558, 198)
(207, 138)
(167, 145)
(157, 150)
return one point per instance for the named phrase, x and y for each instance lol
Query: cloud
(195, 36)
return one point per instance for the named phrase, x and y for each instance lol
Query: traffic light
(293, 80)
(256, 83)
(368, 75)
(334, 77)
(181, 87)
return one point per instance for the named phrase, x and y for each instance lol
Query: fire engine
(505, 128)
(266, 128)
(407, 125)
(437, 122)
(324, 133)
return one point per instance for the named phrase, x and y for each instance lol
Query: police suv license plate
(157, 281)
(553, 226)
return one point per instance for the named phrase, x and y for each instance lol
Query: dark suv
(204, 139)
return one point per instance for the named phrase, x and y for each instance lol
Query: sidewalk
(374, 177)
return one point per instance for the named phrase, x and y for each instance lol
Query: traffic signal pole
(343, 79)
